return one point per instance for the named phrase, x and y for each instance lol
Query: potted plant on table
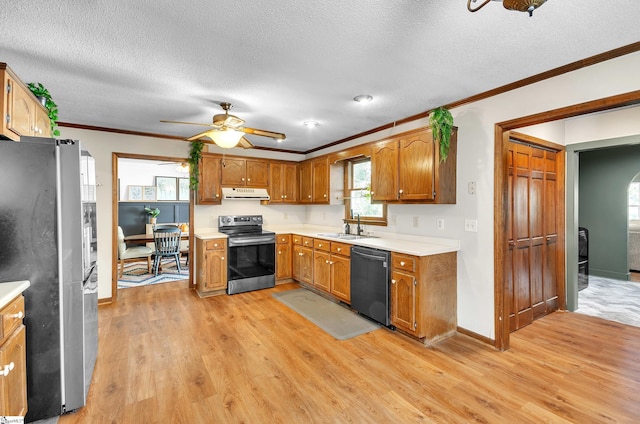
(43, 95)
(153, 213)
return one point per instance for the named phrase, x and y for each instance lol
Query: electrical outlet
(472, 187)
(440, 223)
(471, 225)
(415, 221)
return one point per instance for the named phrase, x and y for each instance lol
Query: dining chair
(167, 241)
(129, 254)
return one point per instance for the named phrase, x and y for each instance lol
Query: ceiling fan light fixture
(519, 5)
(226, 139)
(363, 98)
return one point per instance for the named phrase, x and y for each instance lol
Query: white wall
(475, 122)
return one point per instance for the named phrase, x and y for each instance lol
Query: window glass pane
(361, 174)
(634, 201)
(361, 204)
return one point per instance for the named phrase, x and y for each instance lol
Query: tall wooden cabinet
(211, 266)
(407, 168)
(423, 295)
(302, 260)
(13, 374)
(22, 114)
(283, 256)
(209, 188)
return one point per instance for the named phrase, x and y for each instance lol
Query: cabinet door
(276, 183)
(283, 261)
(216, 271)
(257, 173)
(302, 262)
(403, 301)
(322, 270)
(304, 172)
(233, 173)
(42, 126)
(290, 182)
(21, 110)
(209, 191)
(384, 170)
(13, 386)
(341, 278)
(320, 178)
(416, 171)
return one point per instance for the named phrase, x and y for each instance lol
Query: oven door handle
(251, 241)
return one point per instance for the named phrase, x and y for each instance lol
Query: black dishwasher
(370, 283)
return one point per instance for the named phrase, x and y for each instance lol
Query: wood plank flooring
(167, 356)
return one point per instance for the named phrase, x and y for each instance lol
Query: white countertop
(400, 243)
(11, 289)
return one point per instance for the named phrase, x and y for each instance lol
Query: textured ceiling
(129, 64)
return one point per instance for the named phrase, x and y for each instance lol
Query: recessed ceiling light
(363, 98)
(310, 124)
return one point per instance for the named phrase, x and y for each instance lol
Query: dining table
(148, 238)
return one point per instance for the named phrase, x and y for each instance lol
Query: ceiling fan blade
(188, 123)
(200, 135)
(245, 144)
(263, 133)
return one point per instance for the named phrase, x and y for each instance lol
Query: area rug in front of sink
(336, 320)
(136, 274)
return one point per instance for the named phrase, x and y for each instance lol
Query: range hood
(243, 193)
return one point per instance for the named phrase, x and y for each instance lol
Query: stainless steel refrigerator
(48, 236)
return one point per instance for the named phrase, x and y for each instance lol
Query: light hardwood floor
(167, 356)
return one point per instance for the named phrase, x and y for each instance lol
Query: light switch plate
(471, 225)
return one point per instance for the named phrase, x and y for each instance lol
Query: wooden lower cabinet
(424, 295)
(341, 277)
(302, 262)
(211, 266)
(322, 270)
(283, 257)
(332, 268)
(13, 372)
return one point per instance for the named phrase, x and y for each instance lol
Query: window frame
(348, 184)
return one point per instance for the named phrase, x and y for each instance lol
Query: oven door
(251, 263)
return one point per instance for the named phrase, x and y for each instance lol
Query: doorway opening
(158, 182)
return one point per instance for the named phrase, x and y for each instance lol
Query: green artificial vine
(195, 154)
(441, 123)
(52, 108)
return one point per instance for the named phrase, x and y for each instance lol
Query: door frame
(114, 214)
(501, 133)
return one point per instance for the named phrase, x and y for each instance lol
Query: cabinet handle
(248, 179)
(325, 195)
(7, 369)
(339, 249)
(400, 191)
(279, 252)
(217, 195)
(282, 196)
(319, 244)
(285, 196)
(331, 263)
(372, 193)
(242, 178)
(309, 196)
(393, 281)
(326, 261)
(401, 263)
(283, 240)
(300, 254)
(19, 315)
(222, 258)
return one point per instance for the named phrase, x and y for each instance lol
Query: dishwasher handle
(380, 258)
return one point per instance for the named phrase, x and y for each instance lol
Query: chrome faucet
(359, 229)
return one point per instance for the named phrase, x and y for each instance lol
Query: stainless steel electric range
(250, 252)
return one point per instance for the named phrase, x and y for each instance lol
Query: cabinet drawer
(215, 244)
(297, 240)
(320, 244)
(403, 262)
(283, 238)
(11, 317)
(307, 241)
(340, 248)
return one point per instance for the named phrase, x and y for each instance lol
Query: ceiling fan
(519, 5)
(227, 130)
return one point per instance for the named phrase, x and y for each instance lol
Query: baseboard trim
(476, 336)
(105, 301)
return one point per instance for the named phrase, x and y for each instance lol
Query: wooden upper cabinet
(209, 189)
(407, 169)
(384, 170)
(245, 172)
(305, 182)
(416, 166)
(283, 180)
(320, 180)
(22, 114)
